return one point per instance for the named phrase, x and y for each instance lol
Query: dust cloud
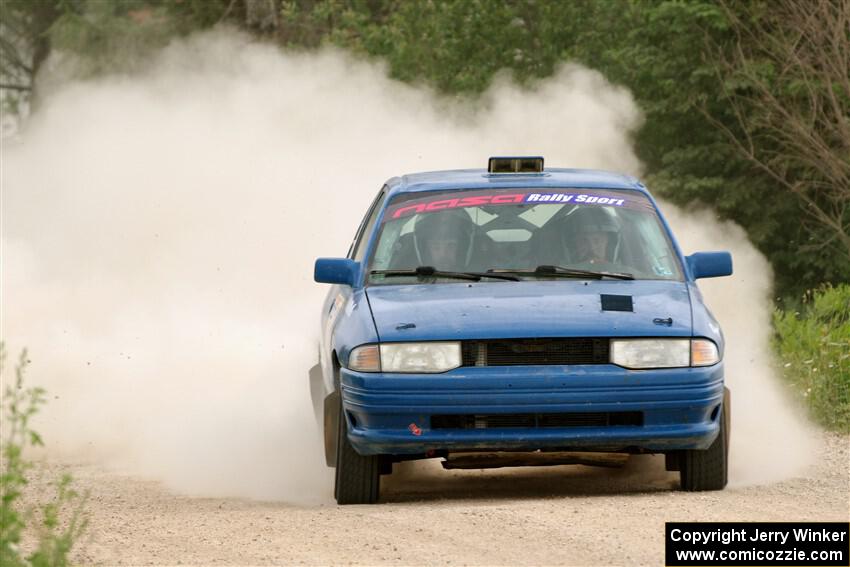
(771, 440)
(159, 231)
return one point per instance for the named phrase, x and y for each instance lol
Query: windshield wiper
(560, 271)
(431, 271)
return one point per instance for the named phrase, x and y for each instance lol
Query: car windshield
(532, 234)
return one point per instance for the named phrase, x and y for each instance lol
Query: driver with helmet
(443, 240)
(591, 238)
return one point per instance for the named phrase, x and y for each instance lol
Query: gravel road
(534, 516)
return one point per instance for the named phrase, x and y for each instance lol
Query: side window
(358, 248)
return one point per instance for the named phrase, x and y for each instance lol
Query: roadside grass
(813, 345)
(57, 524)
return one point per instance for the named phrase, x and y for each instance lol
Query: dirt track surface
(534, 516)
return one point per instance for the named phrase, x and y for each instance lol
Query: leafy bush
(56, 525)
(814, 346)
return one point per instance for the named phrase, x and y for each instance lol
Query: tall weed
(814, 347)
(59, 523)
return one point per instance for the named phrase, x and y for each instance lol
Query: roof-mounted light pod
(516, 164)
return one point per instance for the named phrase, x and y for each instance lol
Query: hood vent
(616, 302)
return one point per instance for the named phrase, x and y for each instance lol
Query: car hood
(528, 309)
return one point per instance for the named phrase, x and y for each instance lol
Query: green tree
(668, 54)
(787, 82)
(25, 43)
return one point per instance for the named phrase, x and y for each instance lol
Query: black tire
(708, 469)
(358, 478)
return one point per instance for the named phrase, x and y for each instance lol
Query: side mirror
(710, 264)
(336, 271)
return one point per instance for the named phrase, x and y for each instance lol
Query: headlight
(406, 357)
(663, 353)
(420, 357)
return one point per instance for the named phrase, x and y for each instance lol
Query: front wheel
(358, 478)
(708, 469)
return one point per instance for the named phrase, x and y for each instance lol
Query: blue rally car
(519, 315)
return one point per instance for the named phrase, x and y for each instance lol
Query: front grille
(503, 420)
(527, 352)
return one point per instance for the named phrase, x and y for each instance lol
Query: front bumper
(391, 413)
